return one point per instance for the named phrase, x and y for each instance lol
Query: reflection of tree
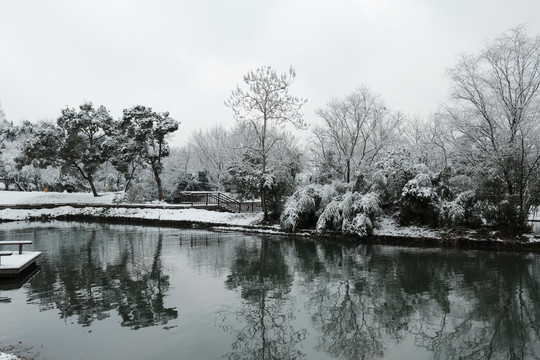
(264, 281)
(87, 284)
(343, 308)
(347, 329)
(360, 300)
(494, 312)
(457, 305)
(142, 301)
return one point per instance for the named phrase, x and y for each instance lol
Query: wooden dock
(15, 264)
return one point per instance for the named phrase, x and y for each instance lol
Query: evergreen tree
(76, 142)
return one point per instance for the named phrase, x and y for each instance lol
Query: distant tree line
(474, 162)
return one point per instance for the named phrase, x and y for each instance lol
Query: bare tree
(429, 139)
(212, 150)
(498, 108)
(266, 103)
(357, 126)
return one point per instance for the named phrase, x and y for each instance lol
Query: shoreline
(145, 215)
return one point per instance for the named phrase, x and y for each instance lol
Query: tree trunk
(87, 178)
(92, 186)
(158, 181)
(263, 190)
(129, 178)
(263, 205)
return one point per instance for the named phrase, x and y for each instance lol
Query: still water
(132, 292)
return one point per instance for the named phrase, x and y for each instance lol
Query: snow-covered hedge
(331, 207)
(306, 204)
(351, 213)
(463, 210)
(419, 201)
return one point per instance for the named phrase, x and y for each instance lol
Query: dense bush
(419, 201)
(351, 213)
(464, 210)
(304, 207)
(331, 207)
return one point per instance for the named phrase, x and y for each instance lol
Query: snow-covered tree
(419, 199)
(75, 142)
(212, 150)
(356, 129)
(497, 105)
(428, 139)
(3, 129)
(264, 107)
(144, 138)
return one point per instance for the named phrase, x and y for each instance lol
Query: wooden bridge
(218, 200)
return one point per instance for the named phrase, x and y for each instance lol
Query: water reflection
(294, 299)
(482, 306)
(87, 278)
(265, 331)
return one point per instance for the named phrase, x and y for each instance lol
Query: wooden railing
(219, 200)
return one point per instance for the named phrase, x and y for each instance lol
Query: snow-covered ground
(177, 214)
(4, 356)
(38, 197)
(386, 226)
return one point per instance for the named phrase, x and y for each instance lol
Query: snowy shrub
(370, 204)
(136, 194)
(327, 194)
(451, 213)
(110, 183)
(306, 205)
(471, 215)
(463, 210)
(303, 179)
(360, 225)
(278, 184)
(419, 187)
(461, 183)
(330, 218)
(331, 207)
(419, 201)
(300, 209)
(348, 204)
(506, 214)
(352, 213)
(188, 182)
(390, 175)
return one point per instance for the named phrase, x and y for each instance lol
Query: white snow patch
(38, 197)
(177, 214)
(386, 226)
(4, 356)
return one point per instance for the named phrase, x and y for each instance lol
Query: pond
(133, 292)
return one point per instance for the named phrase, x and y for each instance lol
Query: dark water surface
(129, 292)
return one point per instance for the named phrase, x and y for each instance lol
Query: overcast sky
(185, 57)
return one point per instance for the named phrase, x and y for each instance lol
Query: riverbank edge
(446, 240)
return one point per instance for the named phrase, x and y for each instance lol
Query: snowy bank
(105, 207)
(4, 356)
(51, 206)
